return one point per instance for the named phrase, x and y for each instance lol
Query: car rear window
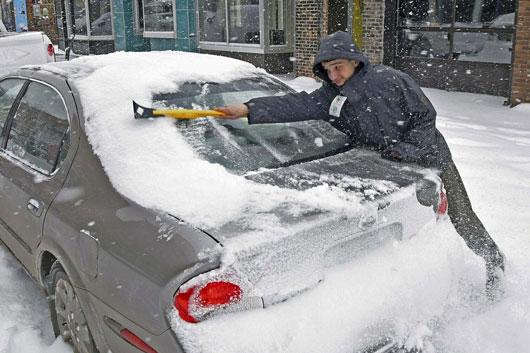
(239, 146)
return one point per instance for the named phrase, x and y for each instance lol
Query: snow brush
(141, 112)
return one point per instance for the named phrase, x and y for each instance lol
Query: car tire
(68, 319)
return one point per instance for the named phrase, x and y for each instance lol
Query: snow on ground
(25, 326)
(444, 312)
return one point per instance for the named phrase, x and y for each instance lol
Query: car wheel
(68, 318)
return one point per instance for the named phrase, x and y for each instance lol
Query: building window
(466, 30)
(154, 18)
(79, 18)
(158, 16)
(277, 22)
(229, 21)
(90, 18)
(212, 19)
(100, 18)
(138, 8)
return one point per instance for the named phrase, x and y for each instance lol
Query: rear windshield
(241, 147)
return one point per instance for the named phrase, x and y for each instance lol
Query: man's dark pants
(466, 222)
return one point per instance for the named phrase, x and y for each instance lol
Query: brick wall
(521, 68)
(311, 23)
(310, 19)
(373, 12)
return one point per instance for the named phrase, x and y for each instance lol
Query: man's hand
(233, 111)
(392, 155)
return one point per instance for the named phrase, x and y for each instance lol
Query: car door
(35, 142)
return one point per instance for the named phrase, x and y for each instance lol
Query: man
(383, 109)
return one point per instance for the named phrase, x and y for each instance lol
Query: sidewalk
(60, 54)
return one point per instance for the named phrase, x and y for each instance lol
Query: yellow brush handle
(187, 113)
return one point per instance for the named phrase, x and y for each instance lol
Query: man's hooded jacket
(385, 109)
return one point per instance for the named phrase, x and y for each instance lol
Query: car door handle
(34, 207)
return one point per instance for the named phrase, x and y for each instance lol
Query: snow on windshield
(152, 164)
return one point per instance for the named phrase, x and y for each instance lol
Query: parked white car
(19, 49)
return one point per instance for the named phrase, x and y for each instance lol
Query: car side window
(9, 89)
(39, 132)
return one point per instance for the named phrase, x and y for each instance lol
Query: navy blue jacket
(385, 109)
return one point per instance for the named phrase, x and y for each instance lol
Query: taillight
(51, 51)
(136, 341)
(442, 208)
(212, 295)
(218, 293)
(182, 304)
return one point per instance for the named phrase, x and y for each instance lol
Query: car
(138, 229)
(26, 48)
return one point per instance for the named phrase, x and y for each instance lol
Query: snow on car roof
(149, 161)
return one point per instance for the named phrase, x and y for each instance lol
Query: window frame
(264, 47)
(154, 34)
(450, 29)
(6, 127)
(138, 27)
(88, 36)
(9, 122)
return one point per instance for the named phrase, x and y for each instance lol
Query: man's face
(340, 70)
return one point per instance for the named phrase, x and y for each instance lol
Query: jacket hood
(338, 45)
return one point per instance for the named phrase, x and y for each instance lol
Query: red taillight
(51, 51)
(218, 293)
(213, 294)
(136, 341)
(182, 303)
(442, 209)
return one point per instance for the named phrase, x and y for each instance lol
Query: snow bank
(25, 325)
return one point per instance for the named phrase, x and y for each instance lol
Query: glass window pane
(6, 15)
(484, 47)
(8, 92)
(425, 12)
(139, 15)
(243, 20)
(39, 127)
(481, 13)
(79, 16)
(423, 44)
(158, 15)
(100, 18)
(277, 22)
(212, 20)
